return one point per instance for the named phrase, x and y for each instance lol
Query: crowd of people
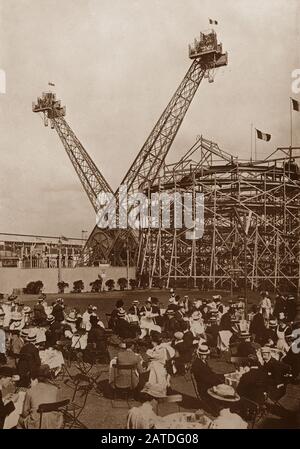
(159, 342)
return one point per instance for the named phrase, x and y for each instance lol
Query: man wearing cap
(6, 374)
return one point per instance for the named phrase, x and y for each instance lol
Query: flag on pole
(296, 105)
(263, 136)
(51, 84)
(213, 22)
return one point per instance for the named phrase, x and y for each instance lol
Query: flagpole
(255, 154)
(251, 140)
(291, 121)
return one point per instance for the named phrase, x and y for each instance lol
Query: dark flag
(296, 105)
(51, 84)
(213, 22)
(263, 136)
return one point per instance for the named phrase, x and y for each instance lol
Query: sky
(115, 65)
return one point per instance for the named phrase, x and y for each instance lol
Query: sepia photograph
(150, 217)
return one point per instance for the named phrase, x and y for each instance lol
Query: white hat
(31, 336)
(203, 349)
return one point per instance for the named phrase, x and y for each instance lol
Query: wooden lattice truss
(251, 223)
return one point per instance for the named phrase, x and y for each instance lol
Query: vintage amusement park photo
(150, 216)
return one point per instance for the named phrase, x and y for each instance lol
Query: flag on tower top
(263, 136)
(213, 22)
(296, 105)
(51, 84)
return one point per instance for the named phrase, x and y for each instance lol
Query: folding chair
(74, 408)
(59, 407)
(171, 399)
(251, 411)
(127, 388)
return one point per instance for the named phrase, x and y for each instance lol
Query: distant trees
(110, 284)
(33, 288)
(122, 282)
(62, 286)
(78, 286)
(132, 283)
(96, 285)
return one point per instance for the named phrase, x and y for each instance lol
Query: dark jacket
(58, 312)
(124, 329)
(96, 336)
(204, 376)
(253, 385)
(258, 328)
(245, 348)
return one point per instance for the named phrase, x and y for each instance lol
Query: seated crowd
(158, 343)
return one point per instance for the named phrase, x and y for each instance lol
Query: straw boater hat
(244, 334)
(71, 318)
(203, 349)
(50, 318)
(154, 390)
(121, 313)
(24, 333)
(178, 335)
(135, 301)
(31, 336)
(273, 323)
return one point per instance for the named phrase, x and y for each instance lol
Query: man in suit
(6, 374)
(29, 355)
(128, 357)
(204, 376)
(40, 392)
(253, 384)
